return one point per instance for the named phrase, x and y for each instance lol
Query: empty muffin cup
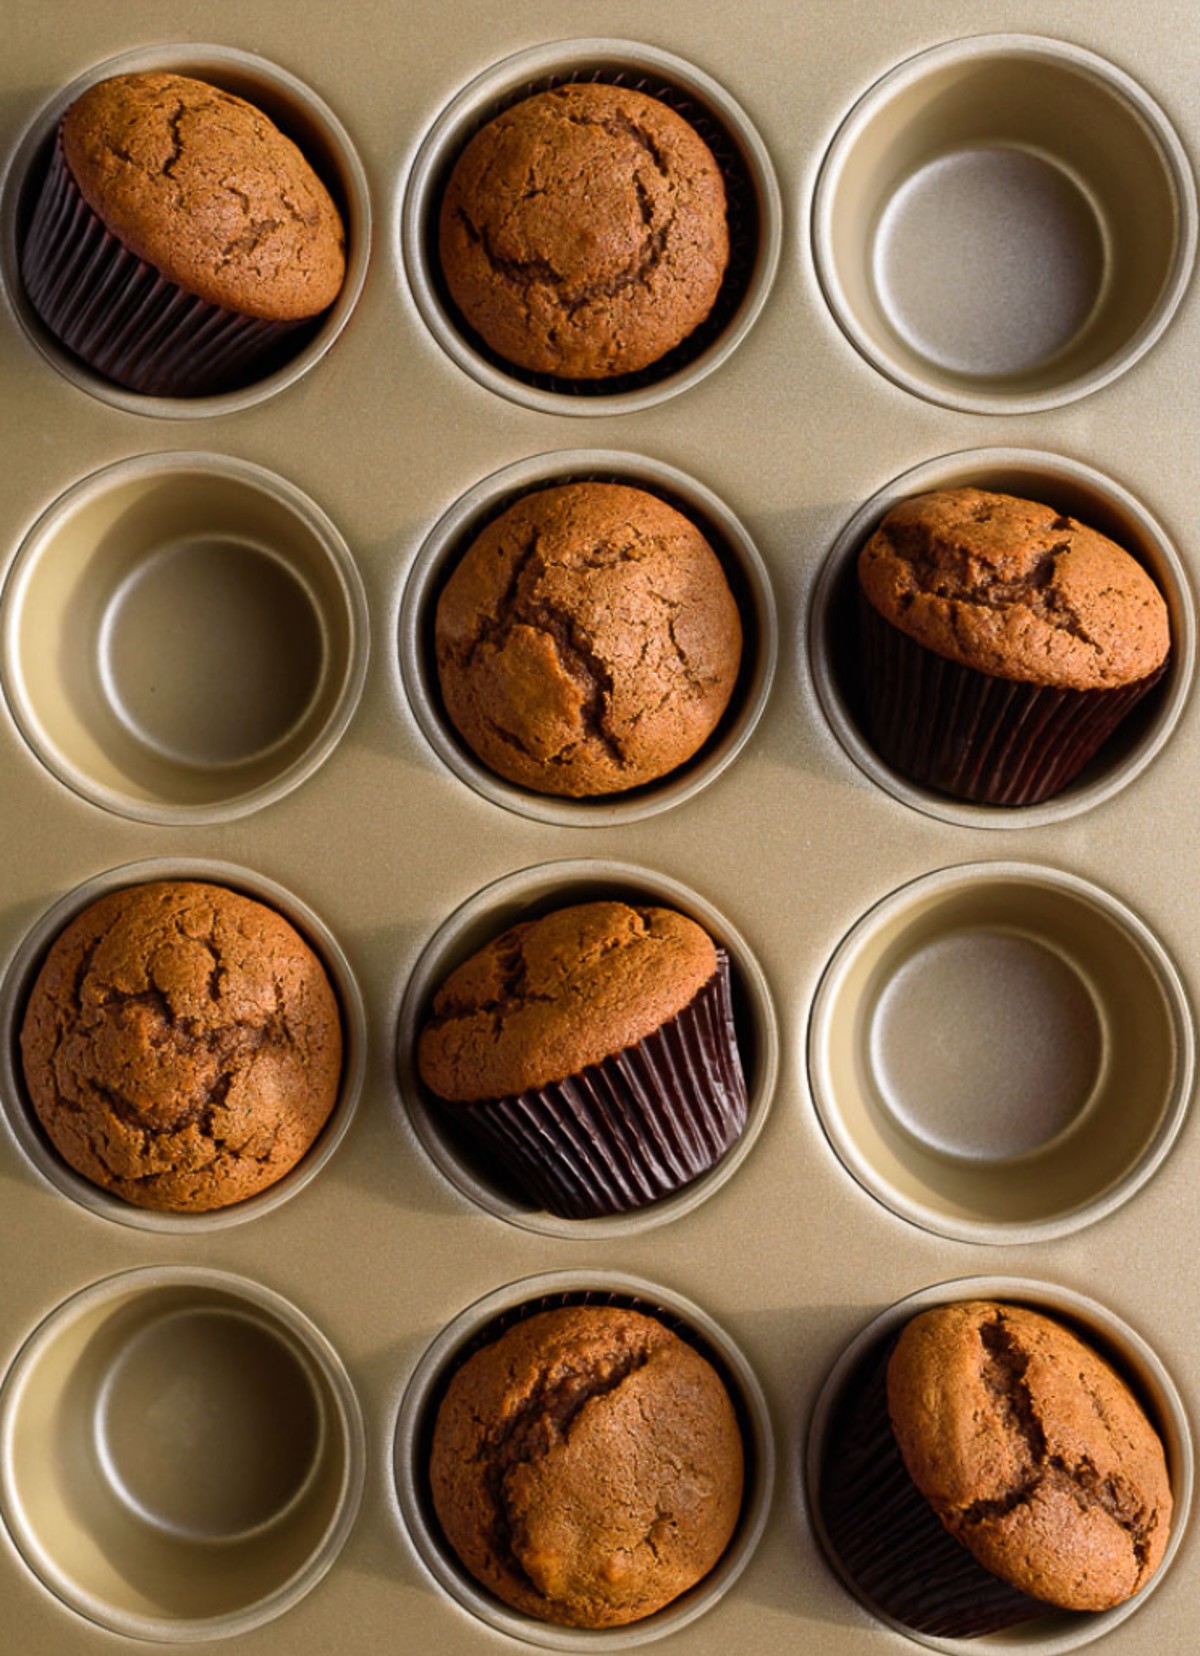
(17, 1106)
(1004, 223)
(851, 1407)
(304, 118)
(183, 1454)
(1001, 1052)
(1079, 491)
(482, 1323)
(183, 637)
(754, 219)
(525, 896)
(741, 564)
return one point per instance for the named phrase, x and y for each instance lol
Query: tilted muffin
(994, 1465)
(593, 1054)
(182, 1045)
(583, 231)
(179, 235)
(587, 1466)
(1003, 642)
(587, 642)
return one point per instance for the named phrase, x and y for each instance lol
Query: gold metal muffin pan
(970, 1055)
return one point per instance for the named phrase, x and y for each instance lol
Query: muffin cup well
(523, 896)
(133, 1513)
(835, 650)
(755, 219)
(21, 973)
(1053, 1631)
(485, 1321)
(1062, 1068)
(1004, 223)
(183, 637)
(744, 570)
(114, 326)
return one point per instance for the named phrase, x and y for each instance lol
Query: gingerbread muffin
(989, 1466)
(179, 235)
(591, 1053)
(182, 1046)
(587, 1467)
(583, 232)
(1003, 642)
(587, 642)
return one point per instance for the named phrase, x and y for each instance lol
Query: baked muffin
(583, 232)
(179, 236)
(990, 1464)
(1003, 642)
(182, 1046)
(587, 642)
(587, 1466)
(592, 1054)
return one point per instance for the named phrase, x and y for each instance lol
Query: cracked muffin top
(1032, 1451)
(583, 231)
(588, 641)
(1016, 590)
(551, 996)
(587, 1466)
(201, 185)
(182, 1045)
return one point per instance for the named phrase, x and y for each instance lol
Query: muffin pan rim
(17, 975)
(196, 57)
(1081, 1311)
(467, 514)
(435, 1554)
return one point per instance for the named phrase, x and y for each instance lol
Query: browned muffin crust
(583, 231)
(587, 1467)
(1032, 1451)
(182, 1045)
(205, 188)
(1016, 590)
(588, 641)
(551, 996)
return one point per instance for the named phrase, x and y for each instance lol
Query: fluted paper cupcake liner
(888, 1538)
(631, 1129)
(991, 740)
(124, 319)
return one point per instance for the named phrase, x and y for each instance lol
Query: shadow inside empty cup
(1004, 223)
(1000, 1052)
(182, 1454)
(184, 637)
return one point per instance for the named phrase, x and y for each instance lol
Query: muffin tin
(970, 1034)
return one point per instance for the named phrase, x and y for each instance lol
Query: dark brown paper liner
(888, 1538)
(123, 318)
(991, 740)
(631, 1129)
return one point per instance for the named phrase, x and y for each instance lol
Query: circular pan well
(21, 972)
(1058, 1631)
(1071, 487)
(755, 219)
(113, 1486)
(487, 1320)
(744, 569)
(524, 896)
(1063, 201)
(300, 114)
(1001, 1052)
(183, 638)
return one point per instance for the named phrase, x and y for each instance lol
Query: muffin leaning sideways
(181, 1045)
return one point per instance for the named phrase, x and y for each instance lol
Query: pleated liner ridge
(888, 1538)
(991, 740)
(632, 1128)
(123, 318)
